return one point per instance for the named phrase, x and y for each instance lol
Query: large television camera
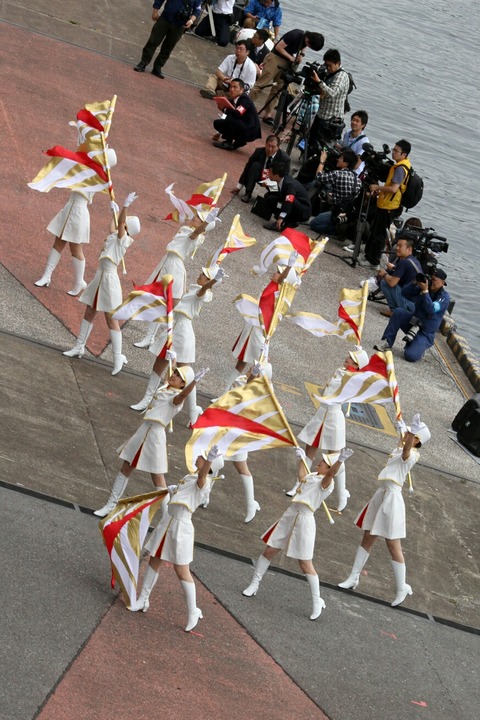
(304, 77)
(426, 245)
(377, 163)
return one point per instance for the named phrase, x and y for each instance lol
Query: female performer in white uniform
(104, 292)
(384, 515)
(172, 540)
(295, 531)
(147, 449)
(72, 225)
(183, 343)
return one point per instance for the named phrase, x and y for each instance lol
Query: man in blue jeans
(342, 186)
(431, 302)
(397, 275)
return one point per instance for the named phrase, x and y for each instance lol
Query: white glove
(292, 259)
(172, 489)
(256, 370)
(220, 275)
(300, 453)
(402, 427)
(201, 374)
(345, 454)
(171, 355)
(212, 215)
(213, 453)
(212, 225)
(415, 424)
(114, 207)
(130, 199)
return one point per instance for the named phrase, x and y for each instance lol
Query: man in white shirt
(234, 66)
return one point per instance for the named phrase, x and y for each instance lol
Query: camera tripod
(360, 227)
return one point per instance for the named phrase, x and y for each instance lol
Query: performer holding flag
(384, 515)
(295, 531)
(104, 293)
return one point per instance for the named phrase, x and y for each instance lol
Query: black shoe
(224, 145)
(158, 73)
(140, 67)
(246, 198)
(271, 226)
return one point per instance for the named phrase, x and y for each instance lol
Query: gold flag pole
(361, 323)
(293, 438)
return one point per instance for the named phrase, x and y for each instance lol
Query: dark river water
(416, 67)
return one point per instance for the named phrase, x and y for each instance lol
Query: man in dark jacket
(241, 123)
(177, 16)
(431, 302)
(291, 204)
(258, 164)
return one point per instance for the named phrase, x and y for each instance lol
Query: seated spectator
(258, 164)
(258, 49)
(263, 14)
(399, 273)
(431, 302)
(222, 19)
(290, 204)
(341, 186)
(234, 66)
(240, 124)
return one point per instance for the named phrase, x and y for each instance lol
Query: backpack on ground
(414, 190)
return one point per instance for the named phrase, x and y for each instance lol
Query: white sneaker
(349, 248)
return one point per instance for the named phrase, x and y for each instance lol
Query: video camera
(377, 163)
(303, 77)
(426, 246)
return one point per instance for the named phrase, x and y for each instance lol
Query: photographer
(333, 90)
(431, 302)
(177, 16)
(232, 67)
(399, 273)
(286, 54)
(342, 186)
(222, 19)
(389, 201)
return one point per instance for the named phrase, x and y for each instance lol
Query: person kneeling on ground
(291, 204)
(222, 19)
(240, 123)
(399, 273)
(431, 302)
(258, 164)
(342, 186)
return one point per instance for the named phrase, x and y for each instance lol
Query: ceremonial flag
(145, 302)
(205, 197)
(280, 249)
(274, 304)
(247, 306)
(124, 532)
(374, 384)
(167, 282)
(72, 170)
(236, 240)
(351, 312)
(247, 418)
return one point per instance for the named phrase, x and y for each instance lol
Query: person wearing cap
(104, 292)
(146, 450)
(183, 341)
(172, 540)
(326, 430)
(384, 515)
(295, 531)
(72, 226)
(184, 245)
(431, 302)
(250, 344)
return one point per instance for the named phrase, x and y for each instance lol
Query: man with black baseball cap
(431, 302)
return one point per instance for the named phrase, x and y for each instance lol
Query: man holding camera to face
(431, 302)
(333, 84)
(177, 17)
(341, 185)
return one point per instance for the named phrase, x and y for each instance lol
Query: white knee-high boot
(149, 337)
(252, 505)
(119, 360)
(193, 410)
(149, 582)
(353, 579)
(342, 492)
(294, 489)
(79, 347)
(399, 570)
(153, 383)
(318, 602)
(52, 262)
(261, 567)
(79, 283)
(119, 485)
(194, 613)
